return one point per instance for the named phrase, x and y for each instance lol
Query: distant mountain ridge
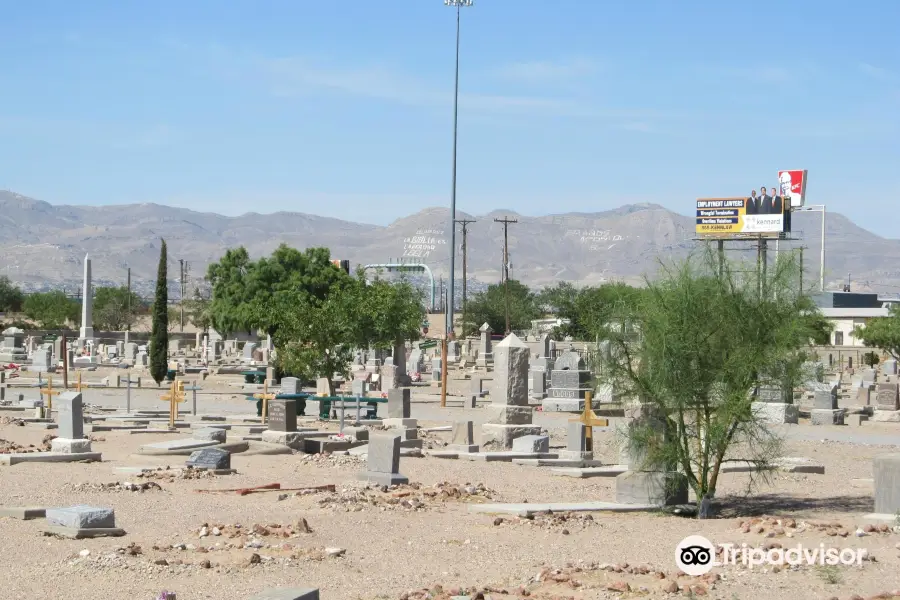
(44, 244)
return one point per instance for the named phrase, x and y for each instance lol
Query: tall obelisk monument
(87, 300)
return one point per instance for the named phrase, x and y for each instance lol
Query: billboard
(755, 216)
(793, 186)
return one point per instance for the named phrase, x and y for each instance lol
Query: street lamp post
(819, 208)
(458, 4)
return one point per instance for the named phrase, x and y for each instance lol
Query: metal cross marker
(49, 392)
(175, 395)
(590, 421)
(265, 396)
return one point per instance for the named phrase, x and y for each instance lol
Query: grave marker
(175, 395)
(265, 396)
(282, 415)
(383, 465)
(589, 420)
(49, 392)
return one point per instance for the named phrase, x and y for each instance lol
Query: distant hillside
(45, 244)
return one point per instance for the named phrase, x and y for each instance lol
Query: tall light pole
(458, 4)
(819, 208)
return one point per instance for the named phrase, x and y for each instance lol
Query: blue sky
(344, 107)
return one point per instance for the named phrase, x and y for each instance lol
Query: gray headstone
(248, 349)
(538, 384)
(291, 385)
(887, 483)
(82, 517)
(210, 458)
(826, 399)
(463, 433)
(545, 346)
(436, 368)
(889, 367)
(531, 443)
(576, 437)
(886, 396)
(384, 454)
(570, 360)
(210, 434)
(510, 372)
(398, 404)
(70, 415)
(358, 388)
(282, 415)
(868, 375)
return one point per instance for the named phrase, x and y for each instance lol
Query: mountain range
(44, 245)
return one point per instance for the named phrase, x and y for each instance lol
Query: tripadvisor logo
(696, 555)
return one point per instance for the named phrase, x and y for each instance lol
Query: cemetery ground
(355, 542)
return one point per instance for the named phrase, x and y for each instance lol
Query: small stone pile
(330, 460)
(8, 447)
(414, 496)
(116, 486)
(561, 522)
(239, 531)
(12, 421)
(169, 474)
(772, 527)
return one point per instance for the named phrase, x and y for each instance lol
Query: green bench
(300, 398)
(254, 377)
(368, 406)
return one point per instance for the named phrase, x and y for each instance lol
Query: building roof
(853, 313)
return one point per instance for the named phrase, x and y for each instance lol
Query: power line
(465, 224)
(506, 223)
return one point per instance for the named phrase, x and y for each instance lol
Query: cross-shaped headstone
(590, 421)
(175, 395)
(265, 396)
(49, 392)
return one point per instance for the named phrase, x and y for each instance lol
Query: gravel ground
(415, 539)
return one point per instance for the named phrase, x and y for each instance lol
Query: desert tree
(700, 341)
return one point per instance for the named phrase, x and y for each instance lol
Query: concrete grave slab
(585, 473)
(23, 513)
(573, 463)
(9, 460)
(81, 517)
(526, 510)
(505, 456)
(288, 594)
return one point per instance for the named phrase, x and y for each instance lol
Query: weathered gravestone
(42, 360)
(886, 397)
(774, 404)
(887, 484)
(570, 382)
(210, 458)
(399, 404)
(248, 350)
(538, 384)
(436, 366)
(485, 355)
(81, 517)
(416, 362)
(462, 438)
(868, 375)
(210, 434)
(509, 415)
(889, 367)
(576, 443)
(358, 388)
(532, 444)
(291, 385)
(70, 432)
(282, 415)
(825, 405)
(383, 467)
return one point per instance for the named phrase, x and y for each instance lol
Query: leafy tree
(197, 311)
(489, 307)
(159, 333)
(314, 337)
(870, 359)
(702, 340)
(112, 309)
(51, 310)
(588, 309)
(173, 314)
(882, 332)
(241, 287)
(11, 297)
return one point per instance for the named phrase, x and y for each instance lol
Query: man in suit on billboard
(766, 203)
(751, 207)
(777, 204)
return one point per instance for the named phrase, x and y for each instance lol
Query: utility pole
(465, 230)
(506, 222)
(181, 282)
(128, 307)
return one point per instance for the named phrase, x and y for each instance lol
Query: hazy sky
(344, 107)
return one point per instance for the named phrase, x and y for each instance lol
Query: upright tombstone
(436, 368)
(291, 385)
(452, 352)
(774, 404)
(87, 300)
(70, 415)
(416, 362)
(358, 388)
(509, 415)
(887, 485)
(383, 465)
(13, 350)
(868, 375)
(399, 404)
(462, 438)
(886, 397)
(642, 484)
(282, 424)
(570, 381)
(42, 360)
(889, 367)
(576, 443)
(247, 350)
(825, 408)
(485, 355)
(538, 385)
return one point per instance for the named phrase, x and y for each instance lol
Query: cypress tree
(159, 334)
